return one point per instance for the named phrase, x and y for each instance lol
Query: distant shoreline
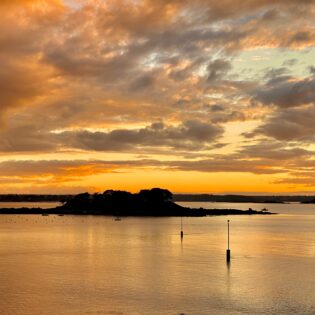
(155, 202)
(176, 198)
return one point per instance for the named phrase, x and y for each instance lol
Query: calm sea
(96, 265)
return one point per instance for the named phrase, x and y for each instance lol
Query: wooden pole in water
(228, 252)
(181, 228)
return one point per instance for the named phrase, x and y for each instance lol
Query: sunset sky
(193, 96)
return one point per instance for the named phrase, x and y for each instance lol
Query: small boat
(45, 214)
(117, 219)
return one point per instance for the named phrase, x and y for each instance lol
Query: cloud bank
(201, 86)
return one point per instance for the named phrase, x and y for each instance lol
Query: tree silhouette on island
(150, 202)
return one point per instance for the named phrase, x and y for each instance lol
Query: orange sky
(203, 96)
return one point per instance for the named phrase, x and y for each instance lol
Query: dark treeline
(243, 198)
(153, 202)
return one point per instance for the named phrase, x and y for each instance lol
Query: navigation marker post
(228, 252)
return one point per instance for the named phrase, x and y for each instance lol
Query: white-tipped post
(228, 252)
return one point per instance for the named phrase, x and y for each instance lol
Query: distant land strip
(176, 198)
(155, 202)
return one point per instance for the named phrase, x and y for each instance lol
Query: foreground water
(95, 265)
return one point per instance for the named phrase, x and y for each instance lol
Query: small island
(155, 202)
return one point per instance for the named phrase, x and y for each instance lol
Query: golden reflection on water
(79, 265)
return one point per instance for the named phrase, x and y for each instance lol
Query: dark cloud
(274, 75)
(27, 138)
(227, 164)
(301, 36)
(287, 92)
(217, 108)
(143, 82)
(270, 15)
(274, 151)
(218, 69)
(293, 124)
(290, 62)
(190, 135)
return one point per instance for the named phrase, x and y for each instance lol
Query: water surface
(95, 265)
